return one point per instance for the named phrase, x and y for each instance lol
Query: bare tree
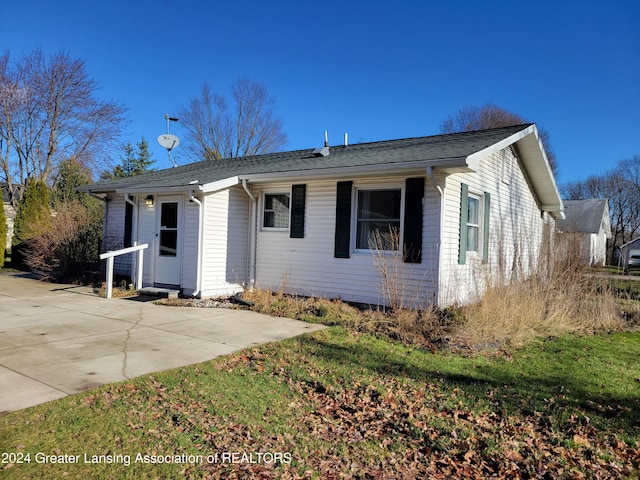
(491, 116)
(216, 131)
(49, 112)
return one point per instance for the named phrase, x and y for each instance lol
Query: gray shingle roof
(583, 215)
(390, 152)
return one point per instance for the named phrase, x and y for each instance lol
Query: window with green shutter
(474, 224)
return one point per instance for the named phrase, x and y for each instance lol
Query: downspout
(252, 236)
(134, 235)
(200, 244)
(440, 233)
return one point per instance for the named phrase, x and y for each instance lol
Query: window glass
(473, 224)
(168, 243)
(169, 215)
(378, 219)
(276, 210)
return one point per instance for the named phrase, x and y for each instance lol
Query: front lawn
(340, 404)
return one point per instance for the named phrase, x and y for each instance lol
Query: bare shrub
(395, 276)
(64, 244)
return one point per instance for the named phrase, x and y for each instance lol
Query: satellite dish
(168, 141)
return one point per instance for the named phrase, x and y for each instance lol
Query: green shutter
(298, 194)
(342, 246)
(464, 219)
(413, 219)
(485, 226)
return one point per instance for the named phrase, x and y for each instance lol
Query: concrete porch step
(159, 292)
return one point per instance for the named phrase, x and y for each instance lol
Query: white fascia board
(451, 165)
(474, 159)
(160, 190)
(95, 189)
(543, 173)
(220, 184)
(338, 172)
(554, 208)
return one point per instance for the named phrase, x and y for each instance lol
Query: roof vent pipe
(323, 151)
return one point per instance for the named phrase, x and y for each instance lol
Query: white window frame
(479, 226)
(263, 210)
(354, 219)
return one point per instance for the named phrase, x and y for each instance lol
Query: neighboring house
(628, 255)
(469, 209)
(590, 223)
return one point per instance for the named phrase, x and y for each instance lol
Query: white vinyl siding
(114, 236)
(307, 266)
(191, 225)
(226, 246)
(516, 227)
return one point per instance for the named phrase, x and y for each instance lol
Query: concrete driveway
(56, 340)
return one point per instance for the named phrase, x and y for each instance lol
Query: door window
(168, 229)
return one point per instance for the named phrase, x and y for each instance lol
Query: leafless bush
(389, 261)
(65, 244)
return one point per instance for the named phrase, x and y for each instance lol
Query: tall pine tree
(136, 161)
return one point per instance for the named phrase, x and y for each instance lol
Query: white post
(109, 256)
(109, 284)
(139, 273)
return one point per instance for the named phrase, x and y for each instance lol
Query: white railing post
(139, 273)
(109, 256)
(109, 284)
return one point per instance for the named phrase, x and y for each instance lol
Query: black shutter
(413, 219)
(128, 225)
(298, 193)
(342, 245)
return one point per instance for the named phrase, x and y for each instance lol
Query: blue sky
(375, 69)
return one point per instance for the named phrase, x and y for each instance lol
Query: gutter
(252, 236)
(200, 244)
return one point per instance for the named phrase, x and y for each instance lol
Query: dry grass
(423, 328)
(561, 297)
(520, 311)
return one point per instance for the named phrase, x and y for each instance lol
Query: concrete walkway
(56, 340)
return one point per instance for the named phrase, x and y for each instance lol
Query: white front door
(169, 241)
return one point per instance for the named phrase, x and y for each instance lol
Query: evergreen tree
(32, 217)
(71, 174)
(136, 161)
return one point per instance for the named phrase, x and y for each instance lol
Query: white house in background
(589, 220)
(467, 207)
(628, 251)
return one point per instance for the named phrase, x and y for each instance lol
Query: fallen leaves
(361, 422)
(393, 429)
